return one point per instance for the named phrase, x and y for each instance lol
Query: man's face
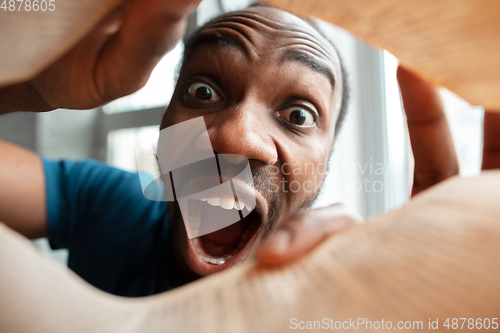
(269, 87)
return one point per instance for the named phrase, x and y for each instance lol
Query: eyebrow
(296, 55)
(217, 40)
(234, 43)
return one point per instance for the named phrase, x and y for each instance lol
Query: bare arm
(22, 191)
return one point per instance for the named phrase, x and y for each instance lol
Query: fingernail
(281, 240)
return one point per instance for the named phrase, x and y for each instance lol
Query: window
(119, 131)
(157, 92)
(123, 143)
(466, 123)
(369, 170)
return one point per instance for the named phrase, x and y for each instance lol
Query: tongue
(215, 250)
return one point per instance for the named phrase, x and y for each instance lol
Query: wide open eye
(297, 116)
(203, 91)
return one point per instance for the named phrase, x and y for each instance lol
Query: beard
(262, 183)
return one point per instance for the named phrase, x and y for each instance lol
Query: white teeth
(214, 202)
(217, 261)
(239, 205)
(227, 203)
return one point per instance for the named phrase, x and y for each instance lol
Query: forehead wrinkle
(305, 59)
(226, 38)
(254, 20)
(306, 46)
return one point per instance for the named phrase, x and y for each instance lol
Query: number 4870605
(28, 5)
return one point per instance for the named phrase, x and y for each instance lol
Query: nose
(245, 130)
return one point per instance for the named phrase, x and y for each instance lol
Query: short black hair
(192, 42)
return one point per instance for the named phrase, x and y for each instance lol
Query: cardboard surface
(31, 40)
(433, 259)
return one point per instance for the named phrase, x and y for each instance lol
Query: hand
(304, 231)
(432, 144)
(113, 60)
(491, 141)
(430, 136)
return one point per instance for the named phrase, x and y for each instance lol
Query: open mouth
(228, 246)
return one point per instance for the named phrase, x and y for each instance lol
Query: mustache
(262, 184)
(260, 180)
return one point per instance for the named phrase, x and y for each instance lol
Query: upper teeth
(228, 203)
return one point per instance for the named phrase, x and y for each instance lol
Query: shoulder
(96, 188)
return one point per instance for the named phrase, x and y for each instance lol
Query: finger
(149, 30)
(491, 143)
(431, 141)
(303, 232)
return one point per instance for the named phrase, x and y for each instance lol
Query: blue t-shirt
(118, 240)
